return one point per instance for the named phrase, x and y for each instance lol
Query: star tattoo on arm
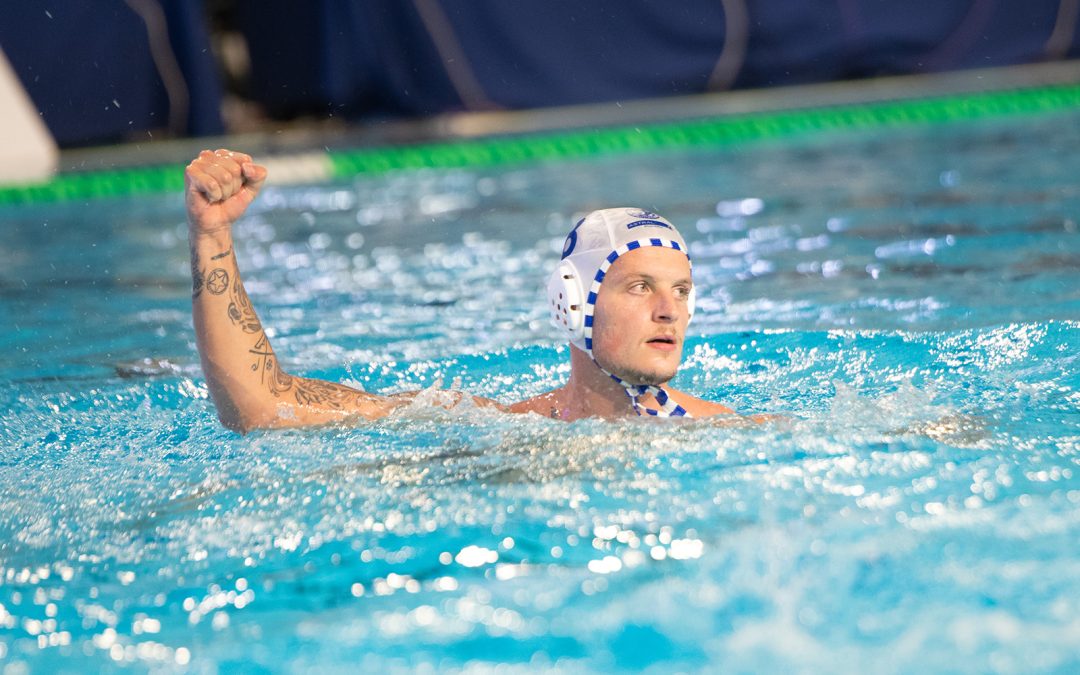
(217, 282)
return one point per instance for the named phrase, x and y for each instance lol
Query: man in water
(622, 292)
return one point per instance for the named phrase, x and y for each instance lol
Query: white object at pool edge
(30, 153)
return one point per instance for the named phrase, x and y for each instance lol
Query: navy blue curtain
(90, 66)
(90, 69)
(416, 57)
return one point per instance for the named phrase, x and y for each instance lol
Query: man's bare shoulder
(552, 404)
(699, 407)
(546, 404)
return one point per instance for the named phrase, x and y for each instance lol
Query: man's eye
(639, 287)
(682, 292)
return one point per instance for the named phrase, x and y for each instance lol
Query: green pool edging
(557, 145)
(710, 132)
(98, 184)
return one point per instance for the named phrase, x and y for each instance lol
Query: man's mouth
(662, 342)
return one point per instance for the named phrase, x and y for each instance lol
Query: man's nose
(666, 308)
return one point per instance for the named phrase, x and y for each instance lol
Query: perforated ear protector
(566, 300)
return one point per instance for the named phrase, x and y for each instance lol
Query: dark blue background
(377, 58)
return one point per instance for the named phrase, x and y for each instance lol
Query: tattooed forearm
(196, 283)
(270, 373)
(240, 310)
(217, 282)
(279, 381)
(196, 275)
(307, 392)
(264, 357)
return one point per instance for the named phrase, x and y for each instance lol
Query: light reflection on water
(914, 319)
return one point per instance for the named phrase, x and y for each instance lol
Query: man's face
(641, 315)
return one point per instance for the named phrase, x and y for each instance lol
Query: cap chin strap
(668, 406)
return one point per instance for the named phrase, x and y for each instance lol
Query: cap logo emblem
(571, 240)
(642, 223)
(647, 218)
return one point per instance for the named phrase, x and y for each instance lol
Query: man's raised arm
(242, 372)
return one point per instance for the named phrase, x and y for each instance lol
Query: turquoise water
(909, 301)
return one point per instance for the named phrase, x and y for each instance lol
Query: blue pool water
(910, 301)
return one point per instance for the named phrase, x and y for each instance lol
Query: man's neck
(591, 392)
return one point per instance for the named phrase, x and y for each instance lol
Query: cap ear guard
(566, 300)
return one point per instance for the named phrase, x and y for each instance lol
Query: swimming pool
(909, 298)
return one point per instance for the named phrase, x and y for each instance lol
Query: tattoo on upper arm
(328, 394)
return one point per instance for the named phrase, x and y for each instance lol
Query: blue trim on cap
(630, 246)
(588, 321)
(591, 300)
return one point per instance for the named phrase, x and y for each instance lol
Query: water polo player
(623, 293)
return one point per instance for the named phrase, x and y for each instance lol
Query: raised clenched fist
(219, 186)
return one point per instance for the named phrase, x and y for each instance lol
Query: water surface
(909, 301)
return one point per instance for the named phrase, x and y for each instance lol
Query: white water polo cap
(595, 243)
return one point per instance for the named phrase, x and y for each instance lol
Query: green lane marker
(711, 132)
(89, 186)
(562, 145)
